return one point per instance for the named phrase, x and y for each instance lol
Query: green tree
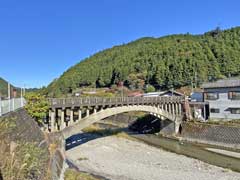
(150, 88)
(37, 106)
(167, 62)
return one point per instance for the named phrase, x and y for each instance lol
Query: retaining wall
(220, 135)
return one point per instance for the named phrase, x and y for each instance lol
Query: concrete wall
(223, 104)
(212, 134)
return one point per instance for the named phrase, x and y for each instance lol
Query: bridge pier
(63, 124)
(180, 108)
(169, 108)
(173, 109)
(52, 113)
(176, 109)
(94, 110)
(71, 116)
(79, 114)
(87, 112)
(177, 126)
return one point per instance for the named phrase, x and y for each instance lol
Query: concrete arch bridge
(71, 115)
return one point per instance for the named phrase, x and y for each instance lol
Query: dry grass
(232, 123)
(92, 129)
(71, 174)
(125, 136)
(19, 160)
(108, 132)
(52, 148)
(82, 159)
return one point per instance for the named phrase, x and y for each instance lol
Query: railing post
(21, 101)
(13, 104)
(9, 105)
(0, 106)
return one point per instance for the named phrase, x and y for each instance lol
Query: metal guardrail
(10, 105)
(64, 102)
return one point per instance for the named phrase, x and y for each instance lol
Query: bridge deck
(96, 101)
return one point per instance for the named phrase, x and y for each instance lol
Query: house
(163, 93)
(223, 97)
(199, 109)
(135, 94)
(196, 97)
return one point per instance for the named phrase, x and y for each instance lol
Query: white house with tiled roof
(223, 97)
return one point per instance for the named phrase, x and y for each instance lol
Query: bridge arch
(76, 127)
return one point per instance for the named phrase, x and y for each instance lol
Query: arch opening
(95, 117)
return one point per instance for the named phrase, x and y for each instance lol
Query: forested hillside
(166, 62)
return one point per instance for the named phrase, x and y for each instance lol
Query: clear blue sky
(40, 39)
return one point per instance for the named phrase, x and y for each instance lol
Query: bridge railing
(92, 101)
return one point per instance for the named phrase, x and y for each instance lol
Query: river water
(197, 151)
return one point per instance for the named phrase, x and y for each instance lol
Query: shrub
(37, 106)
(150, 88)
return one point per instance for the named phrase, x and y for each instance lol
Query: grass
(82, 159)
(95, 129)
(125, 136)
(19, 160)
(7, 124)
(71, 174)
(108, 132)
(23, 162)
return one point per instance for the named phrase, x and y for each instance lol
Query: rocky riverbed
(119, 158)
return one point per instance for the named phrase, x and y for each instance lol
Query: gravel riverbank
(123, 159)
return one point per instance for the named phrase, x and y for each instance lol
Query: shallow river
(197, 151)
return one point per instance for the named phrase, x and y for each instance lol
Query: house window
(235, 110)
(211, 96)
(214, 110)
(234, 95)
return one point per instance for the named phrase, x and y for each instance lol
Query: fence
(11, 105)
